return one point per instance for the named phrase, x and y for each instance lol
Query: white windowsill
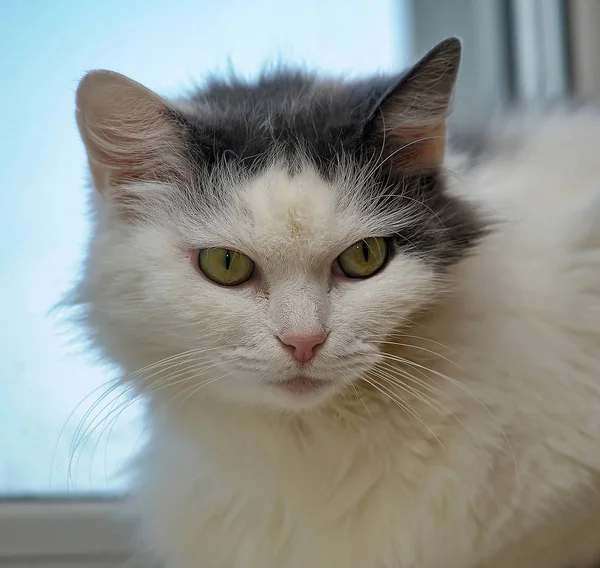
(61, 532)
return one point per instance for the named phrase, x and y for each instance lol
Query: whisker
(436, 405)
(467, 391)
(421, 382)
(62, 431)
(419, 338)
(208, 382)
(401, 404)
(167, 382)
(105, 411)
(86, 429)
(140, 373)
(389, 377)
(425, 349)
(113, 415)
(350, 384)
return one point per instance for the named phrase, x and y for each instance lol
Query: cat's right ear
(409, 123)
(130, 133)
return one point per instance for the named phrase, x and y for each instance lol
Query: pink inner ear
(418, 147)
(143, 149)
(411, 120)
(127, 132)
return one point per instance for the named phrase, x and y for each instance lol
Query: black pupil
(227, 259)
(365, 251)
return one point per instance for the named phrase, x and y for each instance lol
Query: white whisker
(468, 392)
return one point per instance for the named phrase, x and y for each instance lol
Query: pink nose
(303, 347)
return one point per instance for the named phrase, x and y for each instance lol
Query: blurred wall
(584, 35)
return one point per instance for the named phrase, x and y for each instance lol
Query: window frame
(583, 22)
(540, 51)
(61, 531)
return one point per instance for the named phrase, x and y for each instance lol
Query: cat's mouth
(302, 386)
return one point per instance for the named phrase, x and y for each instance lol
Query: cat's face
(275, 283)
(296, 327)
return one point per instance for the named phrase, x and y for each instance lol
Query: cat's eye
(364, 258)
(225, 267)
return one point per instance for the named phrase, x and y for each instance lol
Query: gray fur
(295, 117)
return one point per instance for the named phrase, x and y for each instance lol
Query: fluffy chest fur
(290, 496)
(375, 487)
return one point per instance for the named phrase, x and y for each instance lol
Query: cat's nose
(303, 347)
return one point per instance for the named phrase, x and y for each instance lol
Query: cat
(358, 346)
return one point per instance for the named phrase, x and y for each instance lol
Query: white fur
(497, 466)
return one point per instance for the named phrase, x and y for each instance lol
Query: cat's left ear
(409, 123)
(130, 133)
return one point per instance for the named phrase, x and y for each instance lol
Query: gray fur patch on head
(383, 130)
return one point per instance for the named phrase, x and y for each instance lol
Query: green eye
(364, 258)
(225, 267)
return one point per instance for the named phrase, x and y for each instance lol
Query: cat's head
(259, 241)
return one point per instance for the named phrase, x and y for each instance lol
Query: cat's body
(472, 438)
